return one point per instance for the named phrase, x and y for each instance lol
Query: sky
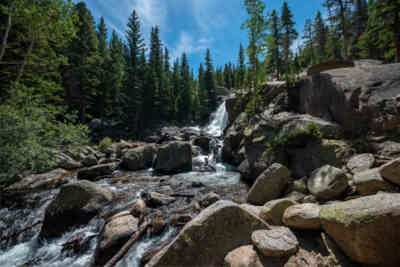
(192, 26)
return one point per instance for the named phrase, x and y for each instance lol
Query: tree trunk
(5, 37)
(22, 69)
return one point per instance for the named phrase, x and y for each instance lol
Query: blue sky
(191, 26)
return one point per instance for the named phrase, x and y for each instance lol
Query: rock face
(173, 158)
(391, 171)
(367, 229)
(303, 217)
(360, 163)
(75, 204)
(269, 185)
(207, 239)
(278, 242)
(138, 158)
(95, 172)
(42, 181)
(370, 182)
(203, 142)
(327, 182)
(359, 98)
(272, 211)
(116, 232)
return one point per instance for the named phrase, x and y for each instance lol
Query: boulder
(269, 185)
(278, 242)
(209, 199)
(207, 239)
(327, 182)
(173, 158)
(388, 149)
(66, 162)
(232, 141)
(359, 99)
(304, 160)
(256, 210)
(36, 182)
(203, 142)
(360, 163)
(391, 171)
(303, 217)
(89, 160)
(138, 158)
(370, 182)
(244, 256)
(273, 210)
(115, 234)
(367, 229)
(155, 199)
(75, 204)
(96, 172)
(139, 208)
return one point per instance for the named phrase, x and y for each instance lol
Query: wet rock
(36, 182)
(367, 229)
(303, 217)
(89, 160)
(269, 185)
(139, 208)
(207, 239)
(370, 182)
(203, 142)
(181, 219)
(138, 158)
(115, 234)
(75, 204)
(278, 242)
(157, 226)
(360, 163)
(273, 210)
(155, 199)
(96, 172)
(173, 158)
(209, 199)
(391, 171)
(327, 182)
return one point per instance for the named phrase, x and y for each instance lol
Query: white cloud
(210, 14)
(187, 44)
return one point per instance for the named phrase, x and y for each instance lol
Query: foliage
(105, 143)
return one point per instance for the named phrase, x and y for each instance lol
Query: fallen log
(121, 253)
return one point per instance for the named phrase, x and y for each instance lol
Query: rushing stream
(26, 249)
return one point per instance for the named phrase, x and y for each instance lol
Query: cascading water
(25, 249)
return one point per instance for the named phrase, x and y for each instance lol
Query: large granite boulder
(359, 98)
(76, 204)
(269, 185)
(367, 229)
(277, 242)
(173, 158)
(116, 232)
(139, 158)
(327, 182)
(272, 212)
(303, 217)
(207, 239)
(360, 163)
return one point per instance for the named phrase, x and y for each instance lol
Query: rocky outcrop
(361, 99)
(207, 239)
(367, 229)
(139, 158)
(75, 204)
(116, 232)
(96, 172)
(272, 211)
(303, 217)
(327, 182)
(269, 185)
(277, 242)
(36, 182)
(173, 158)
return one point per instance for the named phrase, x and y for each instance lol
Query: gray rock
(89, 160)
(76, 204)
(360, 163)
(303, 217)
(256, 210)
(155, 199)
(278, 242)
(327, 183)
(207, 239)
(391, 171)
(95, 172)
(272, 211)
(173, 158)
(203, 142)
(370, 182)
(139, 158)
(269, 185)
(209, 199)
(67, 163)
(367, 229)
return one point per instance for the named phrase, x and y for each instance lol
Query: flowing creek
(25, 249)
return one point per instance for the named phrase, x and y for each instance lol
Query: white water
(218, 124)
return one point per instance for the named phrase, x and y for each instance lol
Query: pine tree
(184, 95)
(308, 38)
(359, 22)
(274, 43)
(209, 82)
(176, 82)
(242, 67)
(154, 89)
(321, 37)
(289, 34)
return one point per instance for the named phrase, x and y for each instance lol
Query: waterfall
(220, 121)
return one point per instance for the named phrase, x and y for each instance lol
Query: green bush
(31, 135)
(104, 144)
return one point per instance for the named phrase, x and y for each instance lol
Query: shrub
(104, 144)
